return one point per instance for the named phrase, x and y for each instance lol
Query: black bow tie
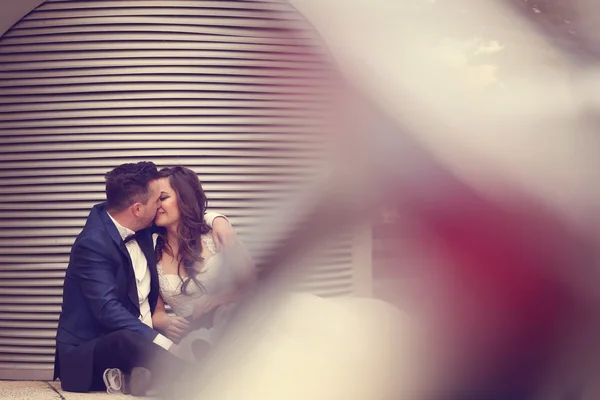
(130, 238)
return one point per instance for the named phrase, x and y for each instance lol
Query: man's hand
(177, 329)
(223, 233)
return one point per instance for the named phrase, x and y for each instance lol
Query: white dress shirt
(143, 277)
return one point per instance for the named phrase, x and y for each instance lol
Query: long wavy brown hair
(192, 203)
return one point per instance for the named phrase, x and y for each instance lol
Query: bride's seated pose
(287, 346)
(194, 279)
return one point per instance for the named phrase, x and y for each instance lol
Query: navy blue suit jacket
(99, 297)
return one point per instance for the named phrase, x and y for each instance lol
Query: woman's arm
(238, 259)
(223, 232)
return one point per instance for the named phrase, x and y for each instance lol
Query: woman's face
(168, 212)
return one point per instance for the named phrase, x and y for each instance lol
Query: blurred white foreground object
(305, 347)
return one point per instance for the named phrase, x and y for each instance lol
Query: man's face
(148, 210)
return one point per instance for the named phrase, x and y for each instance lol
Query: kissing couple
(152, 242)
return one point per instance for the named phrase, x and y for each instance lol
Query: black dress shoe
(138, 382)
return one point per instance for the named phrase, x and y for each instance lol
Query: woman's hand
(178, 327)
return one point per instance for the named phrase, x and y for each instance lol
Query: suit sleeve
(94, 273)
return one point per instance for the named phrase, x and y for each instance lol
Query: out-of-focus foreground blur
(475, 126)
(469, 124)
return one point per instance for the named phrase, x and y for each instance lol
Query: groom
(111, 289)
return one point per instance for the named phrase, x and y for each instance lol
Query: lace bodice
(213, 275)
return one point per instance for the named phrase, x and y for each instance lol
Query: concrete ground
(39, 390)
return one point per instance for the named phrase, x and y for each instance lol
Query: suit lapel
(132, 292)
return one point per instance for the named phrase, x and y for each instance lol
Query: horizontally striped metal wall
(232, 89)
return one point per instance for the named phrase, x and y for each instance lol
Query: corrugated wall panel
(236, 90)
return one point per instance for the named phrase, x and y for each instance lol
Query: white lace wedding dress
(295, 346)
(215, 277)
(298, 346)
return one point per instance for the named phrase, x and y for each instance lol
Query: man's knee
(121, 349)
(130, 337)
(122, 340)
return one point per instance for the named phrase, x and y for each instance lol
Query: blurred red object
(507, 300)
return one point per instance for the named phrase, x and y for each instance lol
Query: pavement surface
(40, 390)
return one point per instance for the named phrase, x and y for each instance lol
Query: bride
(291, 346)
(194, 279)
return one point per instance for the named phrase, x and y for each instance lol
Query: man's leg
(125, 350)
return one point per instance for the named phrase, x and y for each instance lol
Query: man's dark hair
(128, 183)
